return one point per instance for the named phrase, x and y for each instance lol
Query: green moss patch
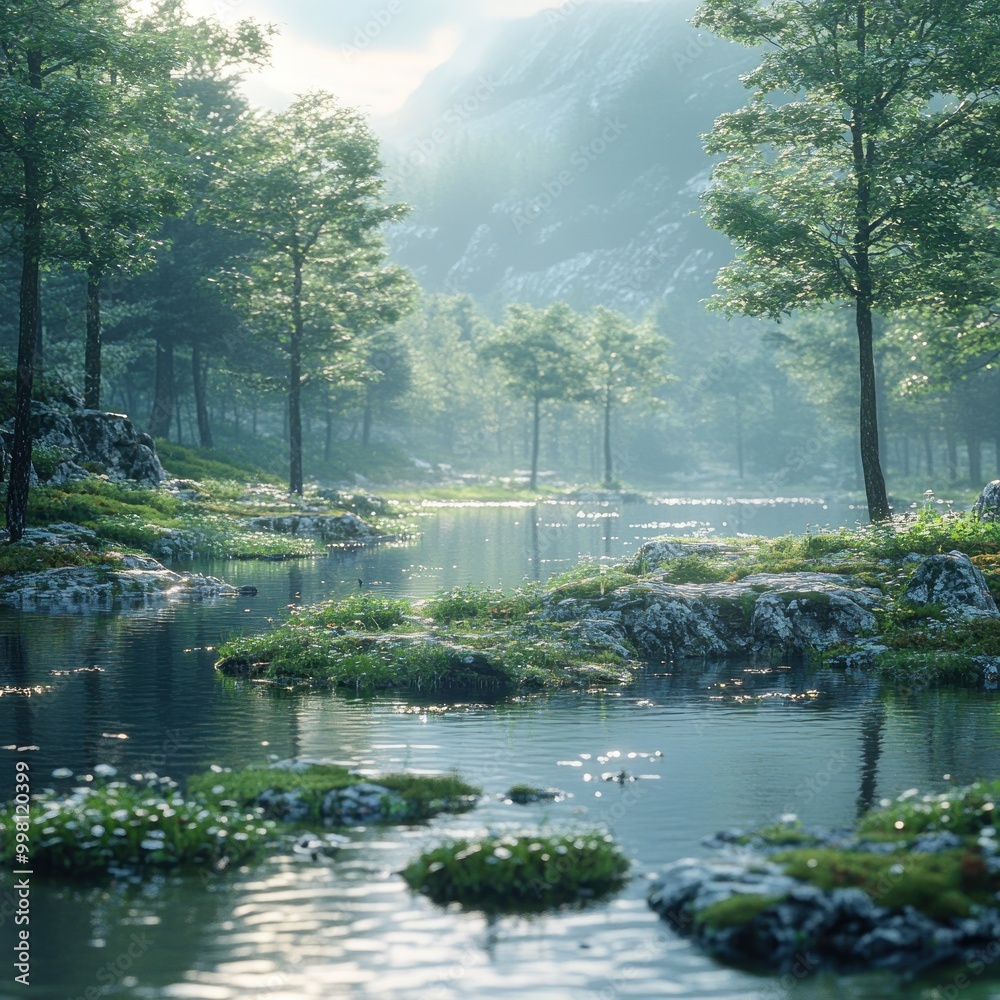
(113, 825)
(520, 873)
(945, 885)
(487, 643)
(422, 796)
(735, 911)
(965, 812)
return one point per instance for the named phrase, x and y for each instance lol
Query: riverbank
(912, 602)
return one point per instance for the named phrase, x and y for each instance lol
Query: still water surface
(712, 746)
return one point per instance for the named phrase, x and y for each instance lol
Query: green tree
(51, 108)
(539, 352)
(306, 185)
(626, 362)
(863, 178)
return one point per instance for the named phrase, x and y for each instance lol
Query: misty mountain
(563, 160)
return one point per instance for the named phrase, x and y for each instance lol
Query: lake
(711, 745)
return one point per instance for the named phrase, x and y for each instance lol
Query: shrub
(523, 873)
(112, 825)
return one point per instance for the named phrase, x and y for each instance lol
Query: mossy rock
(311, 792)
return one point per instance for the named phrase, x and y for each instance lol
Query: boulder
(953, 581)
(987, 507)
(792, 612)
(93, 436)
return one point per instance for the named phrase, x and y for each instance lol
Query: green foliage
(965, 812)
(936, 884)
(424, 795)
(114, 825)
(525, 873)
(366, 612)
(476, 640)
(21, 558)
(201, 464)
(735, 911)
(468, 603)
(696, 569)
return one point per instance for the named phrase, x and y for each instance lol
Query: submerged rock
(953, 581)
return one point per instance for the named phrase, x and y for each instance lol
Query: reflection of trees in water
(14, 673)
(872, 737)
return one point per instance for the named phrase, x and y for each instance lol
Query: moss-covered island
(520, 873)
(904, 600)
(916, 884)
(147, 823)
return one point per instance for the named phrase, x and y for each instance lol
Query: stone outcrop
(122, 583)
(988, 504)
(107, 440)
(780, 923)
(951, 580)
(792, 612)
(328, 527)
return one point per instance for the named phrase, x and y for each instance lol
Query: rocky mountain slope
(564, 159)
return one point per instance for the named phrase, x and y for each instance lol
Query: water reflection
(739, 745)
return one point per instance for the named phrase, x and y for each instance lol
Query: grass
(484, 642)
(965, 812)
(735, 911)
(423, 795)
(206, 464)
(120, 825)
(527, 873)
(946, 885)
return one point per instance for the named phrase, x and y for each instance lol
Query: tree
(50, 109)
(626, 362)
(149, 165)
(538, 351)
(306, 185)
(867, 176)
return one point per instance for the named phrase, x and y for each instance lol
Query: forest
(219, 318)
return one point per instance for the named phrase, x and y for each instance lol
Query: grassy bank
(472, 640)
(485, 640)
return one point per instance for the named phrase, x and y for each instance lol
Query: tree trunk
(535, 443)
(740, 457)
(608, 457)
(198, 371)
(92, 357)
(20, 454)
(864, 162)
(295, 479)
(952, 440)
(163, 389)
(367, 421)
(328, 438)
(929, 453)
(975, 448)
(29, 320)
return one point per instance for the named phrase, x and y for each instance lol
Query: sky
(371, 53)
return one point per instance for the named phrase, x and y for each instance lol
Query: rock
(136, 583)
(247, 591)
(106, 439)
(953, 581)
(987, 507)
(990, 667)
(653, 555)
(335, 527)
(790, 612)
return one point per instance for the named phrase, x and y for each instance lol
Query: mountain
(563, 160)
